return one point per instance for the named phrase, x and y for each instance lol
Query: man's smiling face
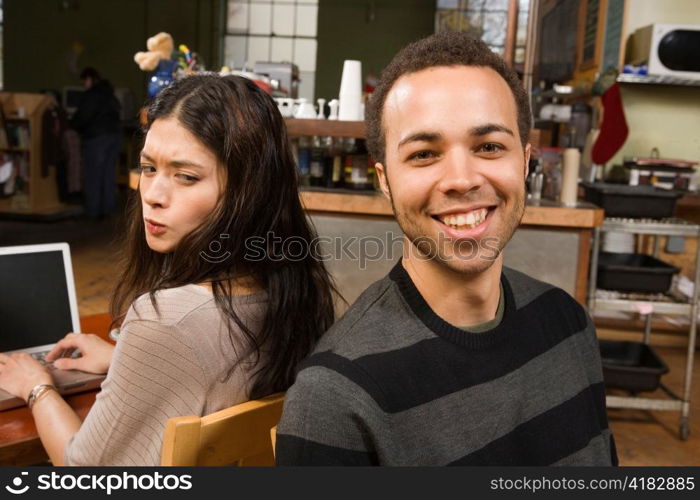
(454, 165)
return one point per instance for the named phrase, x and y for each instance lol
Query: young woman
(218, 314)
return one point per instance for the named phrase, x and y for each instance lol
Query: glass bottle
(316, 163)
(304, 162)
(359, 178)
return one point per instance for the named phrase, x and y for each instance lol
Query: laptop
(38, 307)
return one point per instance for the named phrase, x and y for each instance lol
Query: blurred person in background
(97, 120)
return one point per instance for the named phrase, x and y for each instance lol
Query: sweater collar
(444, 329)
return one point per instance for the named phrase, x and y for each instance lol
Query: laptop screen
(34, 303)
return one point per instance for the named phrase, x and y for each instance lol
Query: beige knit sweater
(164, 366)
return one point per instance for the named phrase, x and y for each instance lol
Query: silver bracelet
(38, 392)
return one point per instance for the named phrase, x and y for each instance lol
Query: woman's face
(180, 184)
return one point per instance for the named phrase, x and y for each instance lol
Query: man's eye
(421, 155)
(491, 147)
(147, 169)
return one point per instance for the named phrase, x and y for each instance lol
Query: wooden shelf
(562, 216)
(39, 194)
(355, 203)
(297, 127)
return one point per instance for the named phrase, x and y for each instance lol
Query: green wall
(346, 30)
(39, 35)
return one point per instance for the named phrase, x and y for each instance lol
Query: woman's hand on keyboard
(95, 353)
(20, 373)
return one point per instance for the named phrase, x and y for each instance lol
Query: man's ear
(528, 150)
(383, 182)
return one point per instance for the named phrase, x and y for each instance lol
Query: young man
(452, 359)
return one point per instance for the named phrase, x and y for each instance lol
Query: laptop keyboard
(39, 356)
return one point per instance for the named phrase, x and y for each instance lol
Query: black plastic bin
(631, 366)
(633, 272)
(621, 200)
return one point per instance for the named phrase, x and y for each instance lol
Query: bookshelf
(24, 187)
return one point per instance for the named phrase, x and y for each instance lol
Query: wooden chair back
(239, 435)
(273, 439)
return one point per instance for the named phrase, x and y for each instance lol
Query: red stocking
(613, 130)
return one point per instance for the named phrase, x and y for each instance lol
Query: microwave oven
(667, 50)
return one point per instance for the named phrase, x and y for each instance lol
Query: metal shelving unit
(669, 304)
(657, 80)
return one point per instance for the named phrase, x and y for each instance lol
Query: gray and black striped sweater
(391, 383)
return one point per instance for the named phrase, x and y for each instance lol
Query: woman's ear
(383, 182)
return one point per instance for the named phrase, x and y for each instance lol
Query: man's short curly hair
(441, 49)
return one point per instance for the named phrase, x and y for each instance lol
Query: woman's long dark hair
(242, 126)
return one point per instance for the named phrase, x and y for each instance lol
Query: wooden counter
(688, 208)
(542, 213)
(324, 128)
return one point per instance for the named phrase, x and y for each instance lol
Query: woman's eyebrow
(185, 163)
(174, 163)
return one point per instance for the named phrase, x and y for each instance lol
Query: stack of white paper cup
(569, 184)
(350, 95)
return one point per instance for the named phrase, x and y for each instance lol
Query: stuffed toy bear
(160, 47)
(158, 59)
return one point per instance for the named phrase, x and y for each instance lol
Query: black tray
(631, 366)
(620, 200)
(633, 272)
